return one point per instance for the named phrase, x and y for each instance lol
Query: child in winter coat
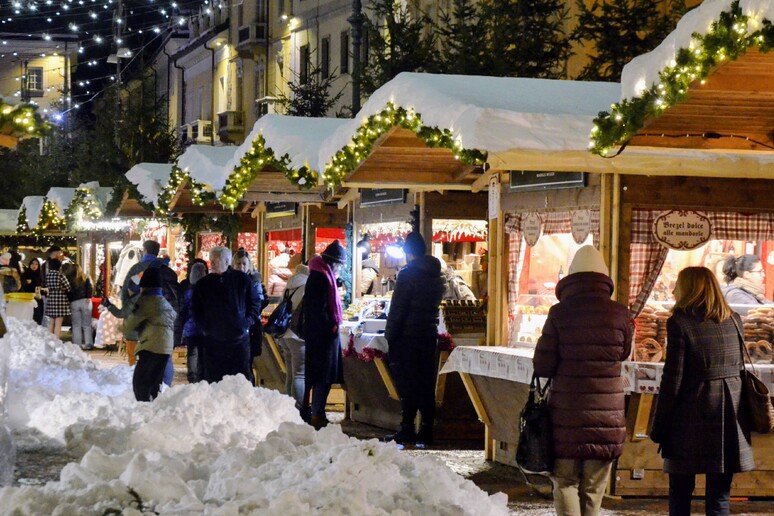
(154, 319)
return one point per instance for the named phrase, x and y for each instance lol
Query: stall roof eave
(130, 207)
(733, 109)
(643, 161)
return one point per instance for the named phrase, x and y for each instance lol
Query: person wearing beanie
(130, 292)
(412, 335)
(154, 319)
(322, 316)
(585, 338)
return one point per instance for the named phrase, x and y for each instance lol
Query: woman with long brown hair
(80, 304)
(696, 420)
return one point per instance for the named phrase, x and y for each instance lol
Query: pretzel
(760, 351)
(649, 350)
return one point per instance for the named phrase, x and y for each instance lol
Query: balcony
(251, 35)
(231, 127)
(197, 131)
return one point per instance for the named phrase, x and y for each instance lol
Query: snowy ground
(226, 448)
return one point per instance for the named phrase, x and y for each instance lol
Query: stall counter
(497, 381)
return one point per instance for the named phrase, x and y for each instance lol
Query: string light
(728, 38)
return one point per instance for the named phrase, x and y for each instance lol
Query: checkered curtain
(647, 256)
(553, 223)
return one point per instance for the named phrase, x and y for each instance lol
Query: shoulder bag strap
(745, 351)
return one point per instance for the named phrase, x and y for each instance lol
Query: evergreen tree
(398, 41)
(526, 38)
(619, 30)
(310, 95)
(462, 40)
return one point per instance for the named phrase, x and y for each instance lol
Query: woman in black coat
(322, 316)
(32, 279)
(696, 420)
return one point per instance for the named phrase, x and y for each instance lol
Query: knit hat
(336, 252)
(5, 258)
(415, 244)
(588, 259)
(151, 278)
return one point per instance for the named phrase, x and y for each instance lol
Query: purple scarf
(334, 303)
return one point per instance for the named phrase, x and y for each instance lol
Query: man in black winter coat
(224, 306)
(412, 334)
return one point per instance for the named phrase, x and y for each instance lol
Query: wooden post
(425, 221)
(481, 412)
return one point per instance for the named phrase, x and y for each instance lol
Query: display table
(374, 399)
(497, 381)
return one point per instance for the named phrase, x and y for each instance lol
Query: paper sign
(682, 230)
(531, 227)
(494, 196)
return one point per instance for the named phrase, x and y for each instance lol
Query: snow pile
(225, 448)
(207, 164)
(150, 179)
(60, 197)
(33, 205)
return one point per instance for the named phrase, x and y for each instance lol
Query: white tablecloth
(515, 365)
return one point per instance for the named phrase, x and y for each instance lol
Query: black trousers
(148, 375)
(227, 357)
(717, 498)
(413, 366)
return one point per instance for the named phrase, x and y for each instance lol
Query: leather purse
(755, 405)
(535, 450)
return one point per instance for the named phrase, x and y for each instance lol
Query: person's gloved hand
(105, 302)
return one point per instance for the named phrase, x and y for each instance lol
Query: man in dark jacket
(412, 334)
(585, 338)
(224, 307)
(130, 292)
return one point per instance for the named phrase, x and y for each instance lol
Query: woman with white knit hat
(585, 338)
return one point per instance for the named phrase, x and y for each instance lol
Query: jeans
(717, 498)
(194, 358)
(293, 352)
(169, 372)
(81, 327)
(320, 393)
(579, 486)
(148, 375)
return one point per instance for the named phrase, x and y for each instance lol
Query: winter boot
(319, 422)
(406, 435)
(306, 414)
(425, 435)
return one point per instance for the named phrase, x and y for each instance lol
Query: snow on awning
(486, 114)
(60, 198)
(8, 220)
(150, 179)
(208, 165)
(101, 194)
(33, 204)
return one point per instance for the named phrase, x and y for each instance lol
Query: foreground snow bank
(218, 449)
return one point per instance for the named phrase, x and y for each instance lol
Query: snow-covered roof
(207, 164)
(301, 138)
(60, 197)
(642, 72)
(492, 114)
(34, 205)
(101, 194)
(150, 179)
(8, 219)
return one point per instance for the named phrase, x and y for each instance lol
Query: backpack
(297, 320)
(9, 284)
(279, 320)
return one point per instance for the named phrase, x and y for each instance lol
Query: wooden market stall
(701, 156)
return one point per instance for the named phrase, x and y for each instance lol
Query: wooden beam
(419, 187)
(274, 347)
(350, 195)
(179, 193)
(483, 181)
(384, 373)
(289, 197)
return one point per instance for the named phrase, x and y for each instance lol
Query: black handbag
(755, 405)
(279, 320)
(535, 451)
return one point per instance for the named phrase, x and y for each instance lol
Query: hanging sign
(494, 196)
(531, 227)
(682, 230)
(580, 225)
(280, 209)
(525, 181)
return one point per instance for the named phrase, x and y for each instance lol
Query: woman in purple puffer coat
(584, 341)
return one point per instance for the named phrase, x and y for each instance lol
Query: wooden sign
(494, 196)
(525, 181)
(280, 209)
(580, 225)
(532, 228)
(682, 230)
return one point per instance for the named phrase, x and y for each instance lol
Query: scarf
(754, 289)
(334, 303)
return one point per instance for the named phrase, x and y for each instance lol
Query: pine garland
(728, 38)
(22, 120)
(257, 159)
(49, 219)
(200, 193)
(22, 226)
(349, 158)
(83, 206)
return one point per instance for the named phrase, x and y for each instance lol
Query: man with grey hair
(224, 306)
